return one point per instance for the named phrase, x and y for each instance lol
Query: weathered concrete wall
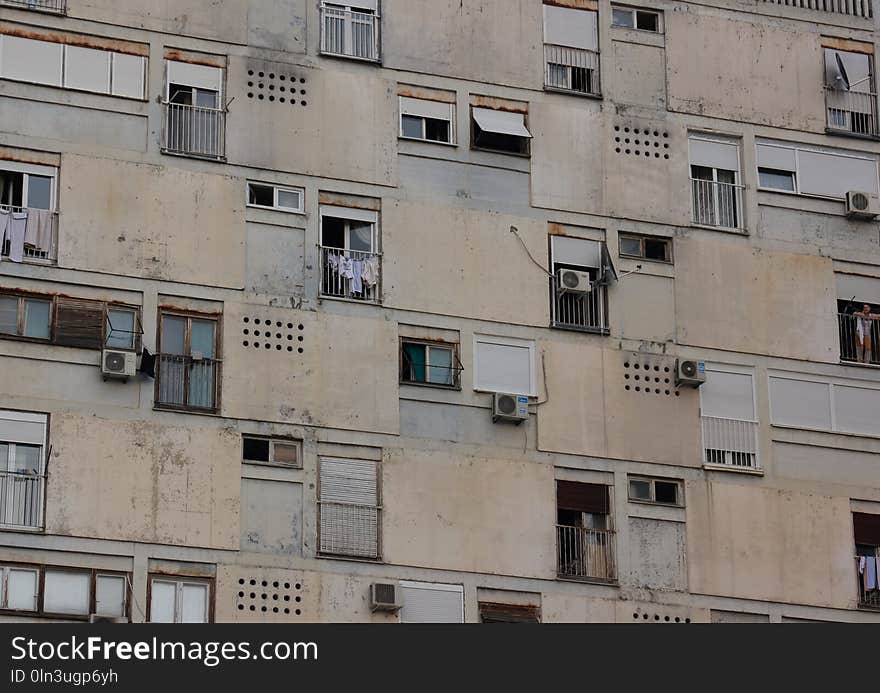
(657, 554)
(271, 517)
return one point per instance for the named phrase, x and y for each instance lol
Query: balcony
(195, 131)
(188, 383)
(853, 345)
(851, 112)
(585, 554)
(853, 8)
(868, 597)
(578, 311)
(349, 33)
(21, 500)
(41, 235)
(350, 274)
(730, 443)
(571, 69)
(717, 204)
(53, 6)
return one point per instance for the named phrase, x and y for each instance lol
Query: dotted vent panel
(266, 334)
(645, 617)
(277, 84)
(259, 596)
(641, 140)
(648, 374)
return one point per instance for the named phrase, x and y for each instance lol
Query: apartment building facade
(256, 366)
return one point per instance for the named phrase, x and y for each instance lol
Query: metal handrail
(195, 130)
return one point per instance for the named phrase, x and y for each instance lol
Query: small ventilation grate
(264, 596)
(279, 336)
(641, 140)
(282, 87)
(649, 375)
(658, 618)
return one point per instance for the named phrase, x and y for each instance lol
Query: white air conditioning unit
(385, 596)
(690, 373)
(95, 618)
(118, 364)
(574, 282)
(862, 205)
(510, 408)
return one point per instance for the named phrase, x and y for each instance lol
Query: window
(122, 330)
(659, 491)
(429, 363)
(432, 121)
(504, 365)
(22, 469)
(22, 316)
(46, 61)
(351, 31)
(571, 50)
(580, 305)
(730, 428)
(195, 119)
(814, 171)
(348, 501)
(634, 18)
(866, 531)
(850, 101)
(19, 588)
(69, 593)
(858, 318)
(500, 131)
(111, 593)
(716, 188)
(188, 375)
(179, 600)
(431, 603)
(646, 247)
(275, 197)
(584, 535)
(270, 451)
(491, 612)
(54, 6)
(27, 211)
(350, 259)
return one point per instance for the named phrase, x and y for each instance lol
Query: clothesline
(28, 227)
(360, 272)
(868, 570)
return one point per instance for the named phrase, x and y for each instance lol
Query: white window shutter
(801, 403)
(21, 589)
(728, 395)
(832, 175)
(349, 507)
(424, 108)
(110, 595)
(66, 593)
(194, 603)
(128, 75)
(163, 599)
(87, 69)
(713, 154)
(856, 410)
(564, 26)
(31, 60)
(503, 366)
(424, 603)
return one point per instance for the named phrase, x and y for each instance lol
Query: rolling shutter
(867, 529)
(79, 323)
(425, 603)
(349, 508)
(585, 498)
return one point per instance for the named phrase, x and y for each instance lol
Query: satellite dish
(841, 77)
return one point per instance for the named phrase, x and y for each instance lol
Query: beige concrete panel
(482, 270)
(62, 381)
(346, 376)
(347, 129)
(151, 221)
(567, 156)
(643, 307)
(140, 481)
(737, 298)
(639, 75)
(657, 554)
(567, 608)
(490, 41)
(572, 420)
(758, 72)
(468, 513)
(770, 544)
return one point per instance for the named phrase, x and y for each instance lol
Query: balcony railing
(55, 6)
(575, 311)
(21, 500)
(585, 554)
(854, 8)
(352, 274)
(349, 33)
(41, 235)
(571, 69)
(349, 530)
(853, 345)
(717, 204)
(867, 597)
(730, 443)
(195, 130)
(851, 111)
(187, 382)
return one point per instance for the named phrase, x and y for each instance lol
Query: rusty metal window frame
(457, 368)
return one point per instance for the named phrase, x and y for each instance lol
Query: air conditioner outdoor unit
(862, 205)
(510, 408)
(118, 364)
(384, 596)
(690, 373)
(95, 618)
(572, 281)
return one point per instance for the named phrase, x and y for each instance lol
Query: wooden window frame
(652, 480)
(273, 441)
(642, 238)
(23, 296)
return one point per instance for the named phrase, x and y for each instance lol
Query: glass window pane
(173, 334)
(289, 199)
(39, 192)
(36, 319)
(360, 236)
(120, 328)
(725, 176)
(777, 180)
(414, 360)
(206, 99)
(195, 604)
(110, 595)
(202, 338)
(27, 459)
(622, 18)
(440, 370)
(8, 315)
(666, 492)
(412, 126)
(630, 246)
(21, 589)
(595, 521)
(262, 195)
(285, 453)
(702, 173)
(66, 593)
(639, 490)
(162, 600)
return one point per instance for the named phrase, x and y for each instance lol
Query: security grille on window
(715, 182)
(571, 50)
(188, 374)
(584, 536)
(22, 469)
(850, 99)
(429, 363)
(351, 30)
(866, 530)
(422, 119)
(730, 427)
(500, 131)
(180, 600)
(349, 507)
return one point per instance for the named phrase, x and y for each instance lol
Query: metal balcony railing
(717, 204)
(40, 245)
(730, 443)
(21, 500)
(585, 554)
(195, 130)
(571, 69)
(851, 111)
(187, 382)
(576, 311)
(349, 33)
(853, 345)
(867, 597)
(854, 8)
(349, 530)
(55, 6)
(352, 274)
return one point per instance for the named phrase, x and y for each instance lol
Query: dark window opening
(262, 195)
(255, 449)
(859, 331)
(666, 492)
(509, 144)
(436, 130)
(657, 250)
(647, 21)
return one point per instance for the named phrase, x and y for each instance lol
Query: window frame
(217, 319)
(450, 121)
(668, 242)
(512, 342)
(780, 172)
(652, 480)
(179, 581)
(634, 13)
(28, 170)
(524, 153)
(429, 344)
(348, 9)
(378, 507)
(135, 336)
(26, 417)
(271, 462)
(276, 189)
(23, 297)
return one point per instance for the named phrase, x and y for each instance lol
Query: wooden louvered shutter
(349, 507)
(79, 323)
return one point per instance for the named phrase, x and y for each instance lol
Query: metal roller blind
(586, 498)
(501, 122)
(17, 427)
(564, 26)
(431, 603)
(867, 528)
(714, 154)
(425, 108)
(349, 513)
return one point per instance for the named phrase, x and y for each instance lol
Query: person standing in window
(864, 326)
